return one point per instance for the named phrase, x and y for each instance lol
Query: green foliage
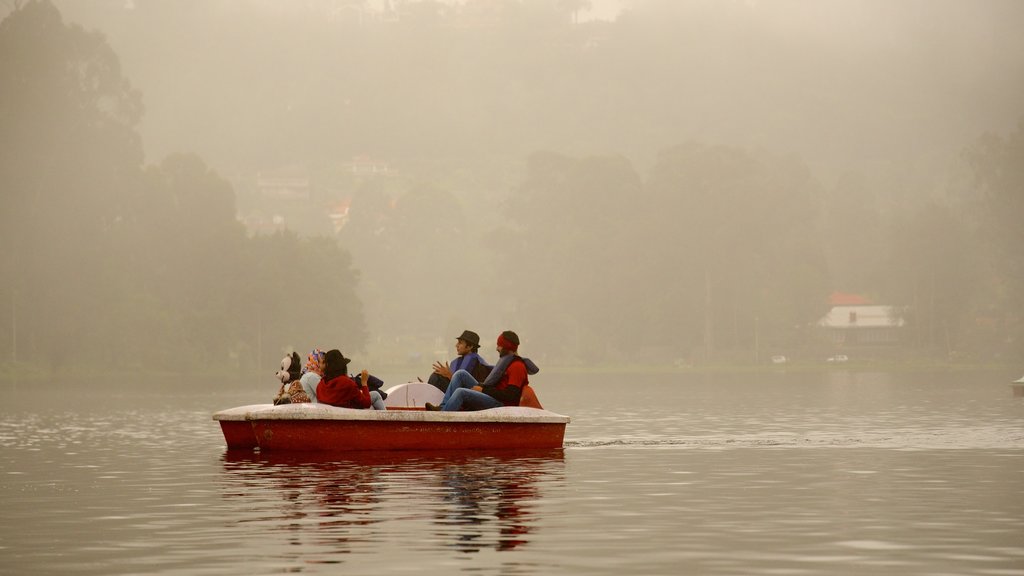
(300, 293)
(67, 118)
(715, 245)
(998, 163)
(112, 265)
(569, 256)
(934, 271)
(710, 249)
(737, 240)
(415, 248)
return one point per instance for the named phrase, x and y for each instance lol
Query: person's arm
(443, 369)
(363, 391)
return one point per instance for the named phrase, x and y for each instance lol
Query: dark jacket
(507, 386)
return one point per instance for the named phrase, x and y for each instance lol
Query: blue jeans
(460, 394)
(377, 401)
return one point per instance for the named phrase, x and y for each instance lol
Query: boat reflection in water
(329, 503)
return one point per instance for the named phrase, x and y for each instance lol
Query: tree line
(110, 264)
(715, 254)
(711, 251)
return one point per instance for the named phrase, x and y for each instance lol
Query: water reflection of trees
(463, 501)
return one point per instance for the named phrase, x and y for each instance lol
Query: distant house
(364, 165)
(853, 320)
(259, 223)
(285, 184)
(846, 299)
(339, 214)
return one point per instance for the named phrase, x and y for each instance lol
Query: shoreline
(36, 374)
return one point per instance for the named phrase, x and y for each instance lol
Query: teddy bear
(291, 391)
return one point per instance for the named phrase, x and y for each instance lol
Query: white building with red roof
(854, 320)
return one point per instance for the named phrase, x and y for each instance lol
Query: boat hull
(354, 436)
(317, 427)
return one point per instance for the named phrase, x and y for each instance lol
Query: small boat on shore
(1018, 387)
(405, 425)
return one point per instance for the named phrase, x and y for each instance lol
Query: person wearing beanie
(468, 359)
(502, 387)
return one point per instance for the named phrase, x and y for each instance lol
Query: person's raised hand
(443, 369)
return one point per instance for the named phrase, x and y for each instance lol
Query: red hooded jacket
(343, 392)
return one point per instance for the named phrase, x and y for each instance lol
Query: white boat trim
(309, 411)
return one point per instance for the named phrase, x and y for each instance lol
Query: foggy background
(201, 185)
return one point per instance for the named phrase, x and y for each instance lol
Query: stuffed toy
(291, 368)
(291, 391)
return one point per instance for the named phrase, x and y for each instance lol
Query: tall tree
(932, 270)
(737, 239)
(111, 265)
(998, 163)
(67, 119)
(571, 255)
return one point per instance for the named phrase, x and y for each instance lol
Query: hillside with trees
(684, 184)
(113, 265)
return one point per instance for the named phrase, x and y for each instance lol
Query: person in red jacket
(337, 389)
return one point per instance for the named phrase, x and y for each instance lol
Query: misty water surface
(711, 474)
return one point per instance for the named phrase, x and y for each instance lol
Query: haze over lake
(206, 185)
(767, 256)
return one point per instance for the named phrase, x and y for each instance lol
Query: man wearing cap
(502, 387)
(466, 345)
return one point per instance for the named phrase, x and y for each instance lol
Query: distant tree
(854, 234)
(737, 241)
(110, 265)
(574, 7)
(718, 245)
(570, 256)
(998, 163)
(416, 255)
(201, 250)
(931, 269)
(67, 119)
(301, 293)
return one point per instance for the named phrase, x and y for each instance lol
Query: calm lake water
(773, 474)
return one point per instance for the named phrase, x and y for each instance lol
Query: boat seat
(528, 398)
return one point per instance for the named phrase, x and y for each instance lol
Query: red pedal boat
(405, 425)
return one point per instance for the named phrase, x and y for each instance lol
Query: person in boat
(312, 373)
(466, 346)
(338, 389)
(502, 387)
